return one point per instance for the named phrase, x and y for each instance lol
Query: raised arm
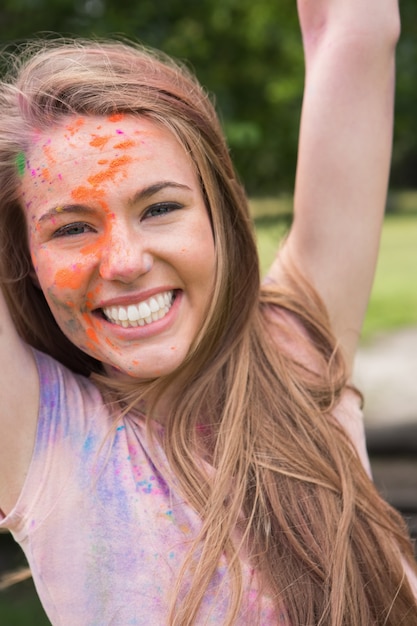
(18, 409)
(344, 154)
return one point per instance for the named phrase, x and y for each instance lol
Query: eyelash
(161, 208)
(64, 230)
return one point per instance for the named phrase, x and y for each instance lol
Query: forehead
(97, 152)
(93, 135)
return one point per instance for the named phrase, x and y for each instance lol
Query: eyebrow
(142, 194)
(147, 192)
(65, 208)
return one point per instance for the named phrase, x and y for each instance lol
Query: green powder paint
(21, 163)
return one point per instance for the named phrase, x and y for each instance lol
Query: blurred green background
(249, 55)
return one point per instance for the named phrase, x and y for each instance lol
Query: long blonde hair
(324, 545)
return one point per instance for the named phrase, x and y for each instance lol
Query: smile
(145, 312)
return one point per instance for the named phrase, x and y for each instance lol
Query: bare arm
(344, 154)
(18, 409)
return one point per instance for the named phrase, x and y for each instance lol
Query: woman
(200, 457)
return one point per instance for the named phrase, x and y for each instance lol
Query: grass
(393, 302)
(19, 606)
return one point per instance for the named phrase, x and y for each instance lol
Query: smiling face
(120, 240)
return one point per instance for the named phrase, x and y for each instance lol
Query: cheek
(196, 247)
(74, 322)
(205, 258)
(69, 279)
(60, 279)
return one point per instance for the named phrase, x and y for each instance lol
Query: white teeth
(153, 305)
(144, 310)
(140, 314)
(132, 313)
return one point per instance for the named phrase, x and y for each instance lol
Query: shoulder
(349, 415)
(57, 381)
(70, 412)
(295, 342)
(290, 337)
(69, 403)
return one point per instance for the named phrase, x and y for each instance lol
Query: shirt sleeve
(70, 408)
(289, 335)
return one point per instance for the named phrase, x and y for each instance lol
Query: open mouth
(141, 314)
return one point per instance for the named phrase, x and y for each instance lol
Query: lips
(141, 313)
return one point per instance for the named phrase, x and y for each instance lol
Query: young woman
(178, 444)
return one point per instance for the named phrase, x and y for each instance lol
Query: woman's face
(120, 240)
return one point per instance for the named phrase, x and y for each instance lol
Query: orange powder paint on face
(91, 296)
(67, 279)
(89, 345)
(46, 175)
(112, 345)
(125, 145)
(49, 156)
(99, 141)
(93, 248)
(91, 333)
(109, 174)
(94, 292)
(86, 194)
(116, 117)
(75, 127)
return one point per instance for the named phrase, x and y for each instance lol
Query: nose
(124, 256)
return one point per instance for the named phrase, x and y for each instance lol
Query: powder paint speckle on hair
(21, 163)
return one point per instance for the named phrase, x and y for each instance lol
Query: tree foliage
(246, 53)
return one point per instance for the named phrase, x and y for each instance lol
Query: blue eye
(162, 208)
(71, 230)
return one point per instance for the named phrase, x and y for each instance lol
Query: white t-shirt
(104, 534)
